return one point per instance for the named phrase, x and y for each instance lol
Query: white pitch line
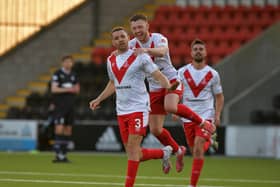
(89, 183)
(138, 177)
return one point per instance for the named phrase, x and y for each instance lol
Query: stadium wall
(250, 75)
(103, 136)
(35, 56)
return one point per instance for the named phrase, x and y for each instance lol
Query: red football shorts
(134, 123)
(192, 130)
(157, 99)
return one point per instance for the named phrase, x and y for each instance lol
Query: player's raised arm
(107, 92)
(156, 52)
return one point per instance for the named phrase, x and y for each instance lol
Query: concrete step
(82, 57)
(4, 107)
(3, 115)
(45, 77)
(40, 87)
(102, 42)
(23, 92)
(16, 101)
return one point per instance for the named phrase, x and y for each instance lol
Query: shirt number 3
(137, 123)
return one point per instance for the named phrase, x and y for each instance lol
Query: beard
(198, 58)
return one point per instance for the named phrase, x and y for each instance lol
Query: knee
(59, 129)
(198, 150)
(155, 131)
(132, 151)
(198, 153)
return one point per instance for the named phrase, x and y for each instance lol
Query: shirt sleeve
(55, 78)
(217, 87)
(180, 74)
(109, 70)
(149, 65)
(161, 41)
(131, 44)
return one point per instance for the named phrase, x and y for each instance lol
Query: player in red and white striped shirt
(162, 101)
(203, 94)
(127, 73)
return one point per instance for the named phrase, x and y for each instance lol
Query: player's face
(140, 29)
(68, 64)
(120, 40)
(198, 53)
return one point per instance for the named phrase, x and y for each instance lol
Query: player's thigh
(59, 115)
(157, 102)
(123, 128)
(171, 101)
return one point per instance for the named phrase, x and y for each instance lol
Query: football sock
(64, 144)
(186, 112)
(196, 169)
(166, 139)
(148, 154)
(132, 167)
(206, 145)
(58, 144)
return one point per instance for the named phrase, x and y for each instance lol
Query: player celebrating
(162, 101)
(127, 74)
(202, 91)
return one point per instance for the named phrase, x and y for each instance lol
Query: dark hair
(117, 28)
(137, 17)
(65, 57)
(197, 41)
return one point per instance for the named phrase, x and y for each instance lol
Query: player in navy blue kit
(64, 87)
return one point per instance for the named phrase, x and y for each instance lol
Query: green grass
(107, 170)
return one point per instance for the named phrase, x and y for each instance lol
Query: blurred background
(243, 44)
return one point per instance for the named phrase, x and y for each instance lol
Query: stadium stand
(224, 28)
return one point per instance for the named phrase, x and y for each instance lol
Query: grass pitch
(108, 170)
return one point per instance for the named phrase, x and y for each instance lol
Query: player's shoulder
(132, 42)
(184, 67)
(58, 72)
(134, 39)
(209, 68)
(156, 34)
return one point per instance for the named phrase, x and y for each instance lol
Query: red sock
(206, 145)
(132, 167)
(186, 112)
(196, 169)
(148, 154)
(166, 139)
